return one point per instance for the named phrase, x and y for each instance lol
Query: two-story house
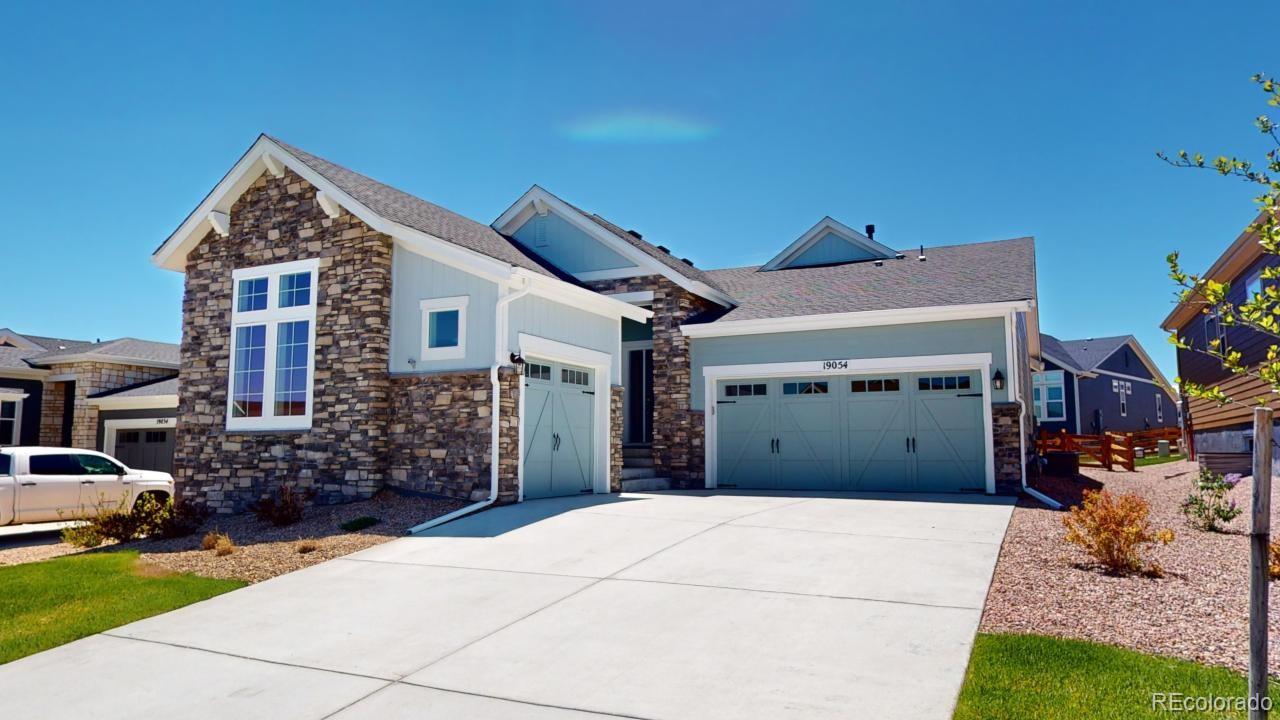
(1103, 384)
(1222, 434)
(342, 335)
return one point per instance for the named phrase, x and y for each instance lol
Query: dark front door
(638, 397)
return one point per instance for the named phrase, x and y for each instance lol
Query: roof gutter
(865, 318)
(501, 313)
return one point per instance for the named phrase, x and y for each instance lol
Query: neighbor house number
(835, 364)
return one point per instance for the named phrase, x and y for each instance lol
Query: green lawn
(1156, 460)
(1032, 676)
(46, 604)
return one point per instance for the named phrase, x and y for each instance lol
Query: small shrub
(307, 546)
(211, 538)
(1115, 531)
(1273, 567)
(119, 523)
(82, 536)
(1207, 507)
(360, 523)
(284, 508)
(181, 518)
(224, 547)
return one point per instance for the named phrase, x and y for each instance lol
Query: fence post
(1260, 543)
(1105, 445)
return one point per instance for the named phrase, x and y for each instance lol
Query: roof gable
(827, 243)
(1087, 356)
(645, 258)
(426, 227)
(568, 247)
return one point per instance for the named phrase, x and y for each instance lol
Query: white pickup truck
(47, 484)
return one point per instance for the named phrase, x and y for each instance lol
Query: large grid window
(1048, 401)
(273, 352)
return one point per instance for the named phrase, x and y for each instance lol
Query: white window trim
(271, 317)
(431, 305)
(17, 399)
(1249, 281)
(1043, 403)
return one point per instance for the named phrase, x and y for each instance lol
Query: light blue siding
(567, 247)
(557, 321)
(415, 278)
(831, 248)
(938, 338)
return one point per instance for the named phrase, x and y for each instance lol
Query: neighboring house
(1222, 435)
(1098, 384)
(118, 396)
(345, 336)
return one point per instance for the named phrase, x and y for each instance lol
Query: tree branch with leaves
(1260, 312)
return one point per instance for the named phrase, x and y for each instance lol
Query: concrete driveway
(669, 605)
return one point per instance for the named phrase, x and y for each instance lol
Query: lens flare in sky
(637, 127)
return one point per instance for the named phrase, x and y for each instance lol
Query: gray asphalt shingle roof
(166, 386)
(1085, 354)
(952, 275)
(53, 350)
(414, 212)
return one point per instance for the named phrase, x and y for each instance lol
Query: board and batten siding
(565, 246)
(556, 321)
(415, 278)
(831, 248)
(935, 338)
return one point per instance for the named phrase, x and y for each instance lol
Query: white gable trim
(817, 232)
(539, 200)
(1069, 367)
(172, 254)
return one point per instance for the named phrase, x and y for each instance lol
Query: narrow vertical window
(250, 363)
(292, 354)
(10, 432)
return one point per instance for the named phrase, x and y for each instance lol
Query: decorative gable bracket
(221, 222)
(328, 204)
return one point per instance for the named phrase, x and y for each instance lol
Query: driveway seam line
(821, 596)
(468, 567)
(878, 535)
(523, 702)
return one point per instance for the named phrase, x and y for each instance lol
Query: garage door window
(745, 390)
(875, 385)
(944, 382)
(534, 371)
(272, 358)
(804, 388)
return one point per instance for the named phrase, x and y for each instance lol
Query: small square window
(891, 384)
(963, 382)
(731, 391)
(790, 388)
(858, 386)
(936, 383)
(875, 386)
(760, 390)
(923, 384)
(252, 295)
(444, 328)
(295, 289)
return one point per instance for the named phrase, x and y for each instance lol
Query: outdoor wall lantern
(997, 380)
(517, 360)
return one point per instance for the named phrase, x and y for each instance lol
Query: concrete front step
(634, 473)
(637, 462)
(650, 484)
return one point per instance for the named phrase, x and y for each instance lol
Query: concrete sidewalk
(669, 605)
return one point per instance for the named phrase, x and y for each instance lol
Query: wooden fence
(1108, 449)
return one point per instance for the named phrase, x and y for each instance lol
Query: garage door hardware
(555, 441)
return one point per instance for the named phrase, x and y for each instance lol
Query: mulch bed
(1197, 611)
(264, 551)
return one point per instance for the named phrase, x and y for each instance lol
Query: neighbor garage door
(909, 432)
(146, 449)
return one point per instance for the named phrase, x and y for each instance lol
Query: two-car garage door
(906, 432)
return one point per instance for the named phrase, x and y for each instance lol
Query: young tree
(1261, 312)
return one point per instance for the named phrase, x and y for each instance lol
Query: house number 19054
(835, 364)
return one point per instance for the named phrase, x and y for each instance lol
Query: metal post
(1260, 542)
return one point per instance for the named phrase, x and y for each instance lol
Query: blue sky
(722, 133)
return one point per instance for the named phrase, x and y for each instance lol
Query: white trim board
(134, 402)
(817, 232)
(111, 427)
(602, 364)
(980, 362)
(645, 264)
(868, 318)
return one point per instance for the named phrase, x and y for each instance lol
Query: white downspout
(499, 358)
(1022, 434)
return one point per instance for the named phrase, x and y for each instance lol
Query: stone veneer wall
(615, 438)
(94, 377)
(440, 437)
(677, 429)
(53, 406)
(343, 456)
(1008, 451)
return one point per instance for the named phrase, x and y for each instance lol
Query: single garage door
(910, 432)
(558, 429)
(146, 449)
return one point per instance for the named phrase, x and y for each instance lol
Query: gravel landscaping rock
(1198, 611)
(264, 551)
